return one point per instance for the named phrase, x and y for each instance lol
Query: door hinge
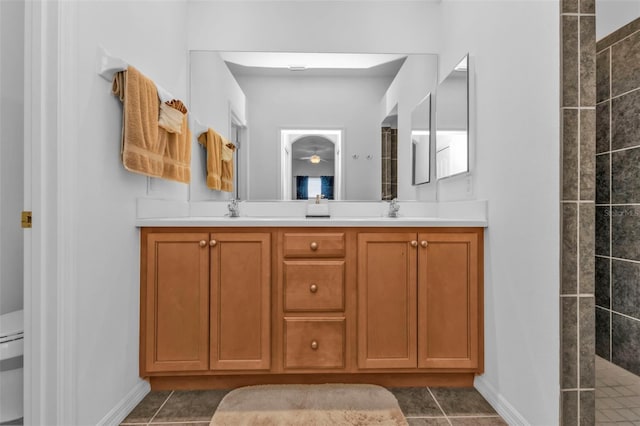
(26, 219)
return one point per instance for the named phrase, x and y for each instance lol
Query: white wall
(214, 93)
(315, 26)
(152, 37)
(613, 14)
(11, 153)
(334, 103)
(515, 46)
(417, 78)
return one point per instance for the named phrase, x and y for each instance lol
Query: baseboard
(126, 405)
(499, 403)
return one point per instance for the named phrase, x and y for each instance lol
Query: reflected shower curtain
(302, 184)
(326, 186)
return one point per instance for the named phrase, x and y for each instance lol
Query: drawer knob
(213, 243)
(314, 345)
(203, 243)
(424, 243)
(313, 288)
(314, 246)
(414, 243)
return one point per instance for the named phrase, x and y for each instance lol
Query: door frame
(50, 191)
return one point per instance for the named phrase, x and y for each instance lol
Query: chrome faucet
(234, 209)
(393, 208)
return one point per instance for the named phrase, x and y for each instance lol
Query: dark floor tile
(416, 402)
(625, 288)
(603, 223)
(480, 421)
(625, 343)
(149, 406)
(462, 402)
(603, 282)
(603, 333)
(190, 406)
(431, 421)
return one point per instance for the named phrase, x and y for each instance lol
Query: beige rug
(309, 405)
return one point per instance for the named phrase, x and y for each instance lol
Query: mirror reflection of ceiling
(313, 64)
(306, 146)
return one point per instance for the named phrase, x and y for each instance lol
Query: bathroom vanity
(383, 302)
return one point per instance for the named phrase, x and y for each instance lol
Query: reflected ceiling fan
(313, 159)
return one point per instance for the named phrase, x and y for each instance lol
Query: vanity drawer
(314, 285)
(314, 245)
(314, 343)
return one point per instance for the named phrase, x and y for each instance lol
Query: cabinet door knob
(314, 345)
(313, 288)
(314, 246)
(213, 243)
(203, 243)
(424, 243)
(414, 243)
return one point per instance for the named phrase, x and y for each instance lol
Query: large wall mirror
(452, 118)
(309, 119)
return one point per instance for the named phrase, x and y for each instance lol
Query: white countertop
(309, 222)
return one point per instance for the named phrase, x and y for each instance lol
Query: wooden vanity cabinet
(205, 301)
(419, 300)
(240, 303)
(226, 307)
(174, 320)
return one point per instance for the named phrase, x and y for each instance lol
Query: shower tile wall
(577, 355)
(389, 163)
(618, 197)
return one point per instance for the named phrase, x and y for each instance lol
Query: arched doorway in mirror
(310, 164)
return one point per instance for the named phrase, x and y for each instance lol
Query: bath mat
(309, 405)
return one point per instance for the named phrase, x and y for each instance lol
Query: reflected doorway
(311, 164)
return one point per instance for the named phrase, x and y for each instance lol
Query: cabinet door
(240, 301)
(448, 328)
(386, 300)
(176, 302)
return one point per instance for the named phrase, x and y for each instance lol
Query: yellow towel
(177, 154)
(227, 167)
(142, 150)
(212, 141)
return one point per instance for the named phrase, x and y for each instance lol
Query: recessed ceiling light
(297, 68)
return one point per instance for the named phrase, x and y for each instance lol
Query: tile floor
(421, 406)
(617, 395)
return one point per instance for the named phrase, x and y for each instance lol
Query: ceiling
(307, 146)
